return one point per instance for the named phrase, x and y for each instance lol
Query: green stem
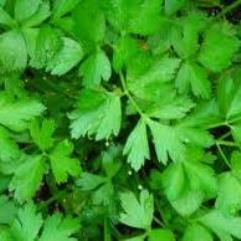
(131, 99)
(229, 8)
(224, 136)
(57, 196)
(223, 155)
(216, 125)
(227, 143)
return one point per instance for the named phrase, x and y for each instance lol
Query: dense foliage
(120, 120)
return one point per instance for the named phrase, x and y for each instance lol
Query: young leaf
(59, 228)
(137, 147)
(229, 194)
(48, 43)
(62, 164)
(40, 15)
(211, 55)
(25, 9)
(137, 213)
(62, 7)
(146, 18)
(27, 178)
(42, 133)
(172, 6)
(67, 58)
(9, 150)
(15, 115)
(95, 68)
(6, 19)
(134, 16)
(89, 30)
(8, 210)
(196, 77)
(13, 52)
(88, 181)
(97, 113)
(224, 226)
(161, 234)
(195, 231)
(27, 224)
(174, 181)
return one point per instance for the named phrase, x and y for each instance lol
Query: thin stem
(224, 136)
(227, 143)
(132, 100)
(216, 125)
(229, 8)
(223, 155)
(54, 198)
(159, 222)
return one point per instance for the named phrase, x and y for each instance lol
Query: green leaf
(27, 178)
(172, 146)
(188, 203)
(59, 228)
(201, 178)
(235, 163)
(67, 58)
(211, 55)
(168, 107)
(172, 6)
(9, 150)
(224, 226)
(13, 52)
(40, 15)
(195, 231)
(42, 133)
(174, 181)
(137, 238)
(177, 138)
(229, 194)
(187, 34)
(229, 96)
(95, 68)
(144, 84)
(27, 224)
(62, 164)
(186, 185)
(62, 7)
(137, 213)
(6, 19)
(136, 146)
(161, 234)
(126, 49)
(140, 17)
(97, 113)
(195, 77)
(7, 210)
(88, 181)
(48, 44)
(89, 30)
(25, 9)
(5, 235)
(16, 115)
(146, 17)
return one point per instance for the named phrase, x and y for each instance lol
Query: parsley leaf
(211, 55)
(27, 224)
(62, 165)
(27, 178)
(137, 146)
(97, 113)
(137, 213)
(95, 68)
(57, 227)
